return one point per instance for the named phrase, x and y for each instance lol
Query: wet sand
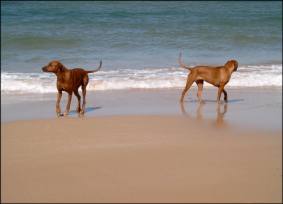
(247, 107)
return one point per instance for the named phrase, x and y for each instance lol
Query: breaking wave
(148, 78)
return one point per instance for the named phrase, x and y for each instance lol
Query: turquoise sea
(138, 42)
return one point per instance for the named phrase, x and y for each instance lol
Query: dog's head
(232, 63)
(54, 67)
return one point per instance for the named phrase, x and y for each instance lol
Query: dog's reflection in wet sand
(219, 121)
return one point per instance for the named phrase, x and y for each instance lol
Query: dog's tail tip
(99, 67)
(181, 63)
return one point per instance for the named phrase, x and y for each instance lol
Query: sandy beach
(138, 159)
(151, 153)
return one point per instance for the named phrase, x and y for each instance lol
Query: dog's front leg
(200, 88)
(58, 109)
(225, 96)
(68, 104)
(220, 90)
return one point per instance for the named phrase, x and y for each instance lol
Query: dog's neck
(61, 73)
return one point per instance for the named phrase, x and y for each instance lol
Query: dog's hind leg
(76, 92)
(84, 99)
(85, 82)
(190, 81)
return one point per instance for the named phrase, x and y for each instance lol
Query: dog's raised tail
(182, 64)
(99, 67)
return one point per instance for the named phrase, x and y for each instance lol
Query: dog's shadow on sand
(88, 109)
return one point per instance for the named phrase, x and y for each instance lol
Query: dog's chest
(69, 81)
(64, 82)
(63, 86)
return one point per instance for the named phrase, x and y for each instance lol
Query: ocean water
(138, 42)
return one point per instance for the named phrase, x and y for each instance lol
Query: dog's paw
(59, 115)
(81, 115)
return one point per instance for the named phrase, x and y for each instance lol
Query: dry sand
(138, 159)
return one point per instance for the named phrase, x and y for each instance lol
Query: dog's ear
(232, 63)
(60, 67)
(228, 63)
(235, 65)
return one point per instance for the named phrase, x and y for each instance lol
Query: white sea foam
(148, 78)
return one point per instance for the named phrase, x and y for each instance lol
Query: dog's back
(74, 78)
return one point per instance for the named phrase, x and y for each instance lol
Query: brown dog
(69, 80)
(217, 76)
